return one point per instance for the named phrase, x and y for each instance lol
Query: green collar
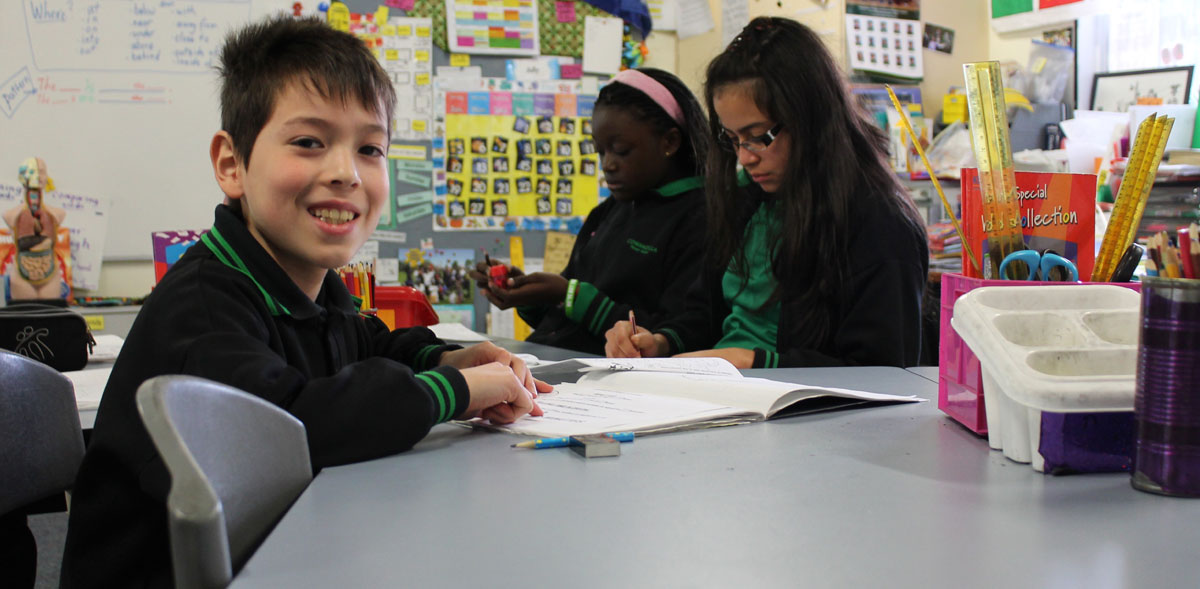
(222, 250)
(680, 186)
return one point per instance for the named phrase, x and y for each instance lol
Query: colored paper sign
(460, 60)
(564, 11)
(1002, 8)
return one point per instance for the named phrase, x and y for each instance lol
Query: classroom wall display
(411, 176)
(86, 221)
(404, 47)
(884, 45)
(517, 155)
(497, 27)
(120, 98)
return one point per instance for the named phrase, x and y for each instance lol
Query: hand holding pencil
(626, 340)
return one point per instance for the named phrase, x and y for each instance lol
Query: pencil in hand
(633, 332)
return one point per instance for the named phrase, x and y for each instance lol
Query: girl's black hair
(837, 166)
(694, 150)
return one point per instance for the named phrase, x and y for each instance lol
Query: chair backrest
(41, 444)
(237, 463)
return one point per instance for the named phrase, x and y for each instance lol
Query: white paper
(695, 18)
(456, 332)
(107, 347)
(657, 401)
(366, 254)
(399, 58)
(602, 45)
(735, 15)
(663, 14)
(573, 410)
(703, 366)
(387, 270)
(89, 386)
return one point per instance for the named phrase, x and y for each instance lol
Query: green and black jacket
(640, 255)
(227, 312)
(876, 323)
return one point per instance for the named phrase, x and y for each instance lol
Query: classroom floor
(50, 530)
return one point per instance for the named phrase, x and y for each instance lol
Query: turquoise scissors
(1045, 265)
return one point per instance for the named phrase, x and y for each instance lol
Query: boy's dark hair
(642, 107)
(261, 59)
(837, 166)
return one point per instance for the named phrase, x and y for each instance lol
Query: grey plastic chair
(41, 444)
(237, 463)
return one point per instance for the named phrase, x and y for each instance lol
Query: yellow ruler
(1149, 143)
(993, 152)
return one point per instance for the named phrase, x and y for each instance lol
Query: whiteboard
(120, 98)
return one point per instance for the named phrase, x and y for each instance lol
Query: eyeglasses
(753, 144)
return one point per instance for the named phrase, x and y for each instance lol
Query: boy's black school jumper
(227, 312)
(639, 254)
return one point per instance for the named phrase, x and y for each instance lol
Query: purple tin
(1167, 399)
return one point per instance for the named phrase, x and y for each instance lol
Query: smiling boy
(301, 158)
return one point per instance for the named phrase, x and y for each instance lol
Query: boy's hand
(739, 357)
(497, 395)
(487, 352)
(621, 342)
(481, 274)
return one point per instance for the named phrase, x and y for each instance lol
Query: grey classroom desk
(929, 372)
(896, 496)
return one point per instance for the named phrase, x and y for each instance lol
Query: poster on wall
(404, 47)
(902, 9)
(516, 155)
(887, 46)
(495, 27)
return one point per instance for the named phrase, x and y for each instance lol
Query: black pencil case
(52, 335)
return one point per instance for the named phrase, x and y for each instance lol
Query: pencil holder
(1167, 398)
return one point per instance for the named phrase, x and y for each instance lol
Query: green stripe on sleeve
(450, 411)
(602, 310)
(422, 358)
(438, 394)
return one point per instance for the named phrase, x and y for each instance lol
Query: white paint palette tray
(1060, 350)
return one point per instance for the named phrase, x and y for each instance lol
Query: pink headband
(654, 89)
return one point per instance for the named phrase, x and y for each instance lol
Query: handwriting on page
(576, 410)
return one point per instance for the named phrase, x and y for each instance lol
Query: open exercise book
(661, 394)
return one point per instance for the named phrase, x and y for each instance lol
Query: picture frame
(1117, 91)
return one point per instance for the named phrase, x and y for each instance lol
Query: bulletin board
(518, 156)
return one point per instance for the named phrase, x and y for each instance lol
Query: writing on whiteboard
(176, 36)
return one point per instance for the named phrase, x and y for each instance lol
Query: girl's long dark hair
(694, 150)
(837, 155)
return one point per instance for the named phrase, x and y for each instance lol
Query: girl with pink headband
(639, 249)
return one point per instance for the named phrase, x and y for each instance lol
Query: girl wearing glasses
(637, 251)
(815, 255)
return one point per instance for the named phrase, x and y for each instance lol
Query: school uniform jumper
(877, 322)
(639, 255)
(227, 312)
